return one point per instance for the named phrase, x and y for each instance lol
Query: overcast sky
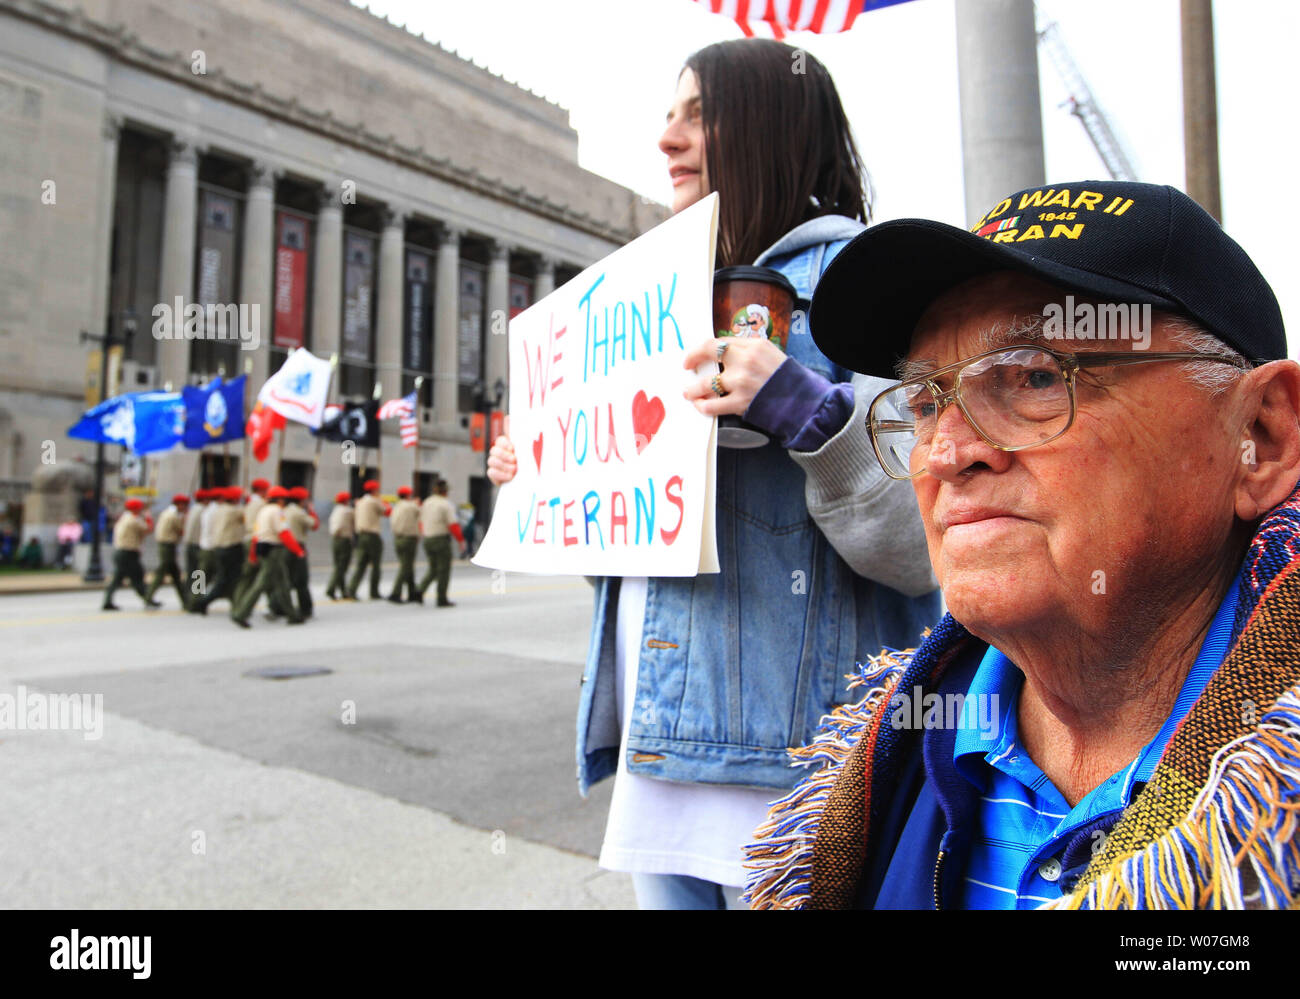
(613, 64)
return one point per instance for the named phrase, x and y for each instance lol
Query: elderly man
(1109, 716)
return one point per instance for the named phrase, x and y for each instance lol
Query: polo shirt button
(1050, 869)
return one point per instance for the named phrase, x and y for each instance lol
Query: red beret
(201, 495)
(180, 498)
(259, 485)
(299, 492)
(134, 504)
(233, 493)
(277, 492)
(371, 486)
(403, 490)
(343, 498)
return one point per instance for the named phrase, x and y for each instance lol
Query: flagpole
(379, 459)
(315, 461)
(415, 458)
(244, 471)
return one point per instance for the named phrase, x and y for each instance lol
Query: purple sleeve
(801, 408)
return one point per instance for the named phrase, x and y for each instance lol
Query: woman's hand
(747, 364)
(501, 459)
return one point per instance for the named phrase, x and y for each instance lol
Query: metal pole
(1200, 106)
(95, 568)
(1001, 125)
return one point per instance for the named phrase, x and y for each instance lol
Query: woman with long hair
(695, 688)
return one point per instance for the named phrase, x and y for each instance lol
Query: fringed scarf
(1218, 824)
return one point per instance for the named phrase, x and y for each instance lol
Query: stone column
(388, 317)
(176, 278)
(327, 277)
(496, 351)
(545, 281)
(104, 230)
(445, 315)
(256, 270)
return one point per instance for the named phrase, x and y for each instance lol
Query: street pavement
(431, 766)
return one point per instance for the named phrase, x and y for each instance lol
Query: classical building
(355, 189)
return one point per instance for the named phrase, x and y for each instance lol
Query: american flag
(405, 408)
(781, 16)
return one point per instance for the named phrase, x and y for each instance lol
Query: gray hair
(1212, 376)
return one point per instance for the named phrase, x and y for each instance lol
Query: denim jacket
(738, 666)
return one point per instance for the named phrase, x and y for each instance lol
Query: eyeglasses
(1014, 398)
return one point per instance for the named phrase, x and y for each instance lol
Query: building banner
(290, 280)
(217, 250)
(615, 466)
(358, 297)
(469, 329)
(418, 321)
(521, 295)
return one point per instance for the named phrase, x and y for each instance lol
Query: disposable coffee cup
(750, 302)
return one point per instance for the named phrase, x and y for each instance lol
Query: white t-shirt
(662, 827)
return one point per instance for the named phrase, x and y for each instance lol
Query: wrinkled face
(1129, 505)
(683, 143)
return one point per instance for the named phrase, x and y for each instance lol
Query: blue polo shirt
(1023, 822)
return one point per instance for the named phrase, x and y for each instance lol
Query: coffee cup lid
(766, 275)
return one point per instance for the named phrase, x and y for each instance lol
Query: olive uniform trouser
(168, 567)
(272, 578)
(224, 576)
(438, 551)
(405, 545)
(126, 567)
(370, 548)
(342, 549)
(299, 581)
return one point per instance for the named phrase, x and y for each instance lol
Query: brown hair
(777, 144)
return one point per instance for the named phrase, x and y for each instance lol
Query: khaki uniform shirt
(436, 515)
(129, 532)
(270, 522)
(342, 521)
(208, 526)
(251, 509)
(193, 521)
(369, 512)
(170, 524)
(405, 519)
(299, 521)
(230, 525)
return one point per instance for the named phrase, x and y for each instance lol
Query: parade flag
(213, 412)
(142, 422)
(263, 422)
(777, 17)
(298, 390)
(357, 422)
(404, 408)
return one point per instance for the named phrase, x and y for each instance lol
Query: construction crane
(1084, 107)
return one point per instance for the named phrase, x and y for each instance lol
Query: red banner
(476, 428)
(290, 280)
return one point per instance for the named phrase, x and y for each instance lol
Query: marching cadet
(171, 525)
(439, 524)
(300, 520)
(128, 535)
(342, 527)
(227, 549)
(271, 538)
(190, 541)
(256, 500)
(208, 523)
(370, 547)
(405, 521)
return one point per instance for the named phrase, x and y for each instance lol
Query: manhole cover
(288, 672)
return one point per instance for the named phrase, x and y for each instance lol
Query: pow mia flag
(358, 422)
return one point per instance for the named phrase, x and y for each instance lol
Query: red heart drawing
(647, 418)
(537, 452)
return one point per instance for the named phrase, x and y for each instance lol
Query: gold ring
(717, 385)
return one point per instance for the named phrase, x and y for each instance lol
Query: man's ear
(1271, 450)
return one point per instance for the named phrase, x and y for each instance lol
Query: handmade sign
(615, 466)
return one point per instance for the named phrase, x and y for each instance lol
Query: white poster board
(616, 467)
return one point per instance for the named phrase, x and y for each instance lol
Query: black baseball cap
(1111, 240)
